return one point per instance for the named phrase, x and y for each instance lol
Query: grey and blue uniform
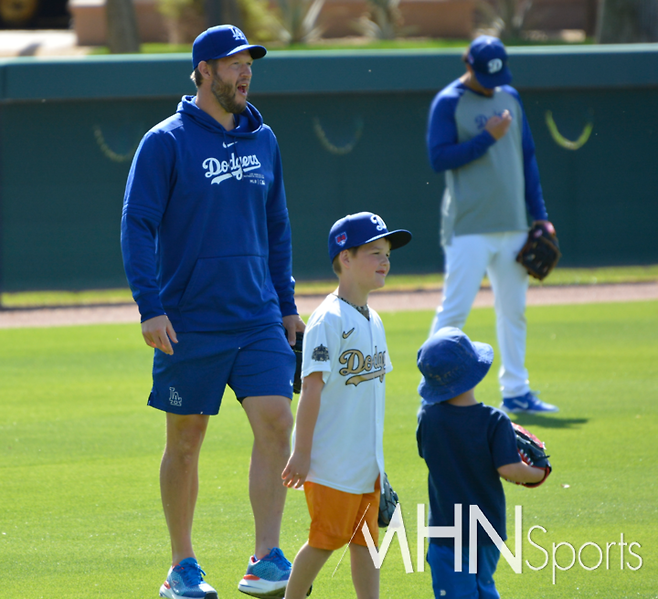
(491, 186)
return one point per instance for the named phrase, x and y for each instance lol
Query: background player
(478, 134)
(338, 451)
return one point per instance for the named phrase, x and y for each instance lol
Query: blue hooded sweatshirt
(205, 233)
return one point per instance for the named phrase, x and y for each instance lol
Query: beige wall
(422, 18)
(91, 26)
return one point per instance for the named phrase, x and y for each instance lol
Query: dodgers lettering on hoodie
(205, 233)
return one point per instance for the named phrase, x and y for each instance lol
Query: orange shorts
(337, 517)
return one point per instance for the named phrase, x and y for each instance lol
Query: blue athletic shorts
(462, 585)
(253, 363)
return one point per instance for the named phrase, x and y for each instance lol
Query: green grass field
(80, 513)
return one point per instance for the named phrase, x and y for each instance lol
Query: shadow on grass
(530, 420)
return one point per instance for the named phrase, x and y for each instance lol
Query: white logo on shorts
(494, 65)
(174, 398)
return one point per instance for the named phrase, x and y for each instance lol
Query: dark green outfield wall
(351, 127)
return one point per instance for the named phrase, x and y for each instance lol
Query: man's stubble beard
(225, 95)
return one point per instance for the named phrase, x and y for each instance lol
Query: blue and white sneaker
(527, 404)
(185, 581)
(266, 577)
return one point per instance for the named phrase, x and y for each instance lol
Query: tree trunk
(591, 11)
(122, 34)
(628, 21)
(223, 12)
(213, 10)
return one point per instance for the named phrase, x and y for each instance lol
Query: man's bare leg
(271, 421)
(179, 479)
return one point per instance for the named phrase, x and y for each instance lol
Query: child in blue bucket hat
(468, 446)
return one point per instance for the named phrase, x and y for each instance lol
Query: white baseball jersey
(351, 353)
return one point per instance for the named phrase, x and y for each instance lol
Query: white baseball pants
(467, 259)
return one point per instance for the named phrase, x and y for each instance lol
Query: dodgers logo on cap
(238, 35)
(495, 65)
(379, 223)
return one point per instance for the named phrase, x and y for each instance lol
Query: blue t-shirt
(463, 447)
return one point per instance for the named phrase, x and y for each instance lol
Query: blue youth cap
(221, 41)
(361, 228)
(488, 57)
(451, 364)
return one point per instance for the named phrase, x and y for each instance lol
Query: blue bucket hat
(488, 57)
(361, 228)
(451, 364)
(222, 41)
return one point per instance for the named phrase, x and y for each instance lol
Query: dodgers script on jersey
(351, 353)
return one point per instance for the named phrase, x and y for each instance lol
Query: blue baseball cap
(361, 228)
(488, 57)
(221, 41)
(451, 364)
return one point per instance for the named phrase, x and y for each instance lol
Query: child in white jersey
(338, 448)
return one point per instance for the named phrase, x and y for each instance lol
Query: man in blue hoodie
(207, 251)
